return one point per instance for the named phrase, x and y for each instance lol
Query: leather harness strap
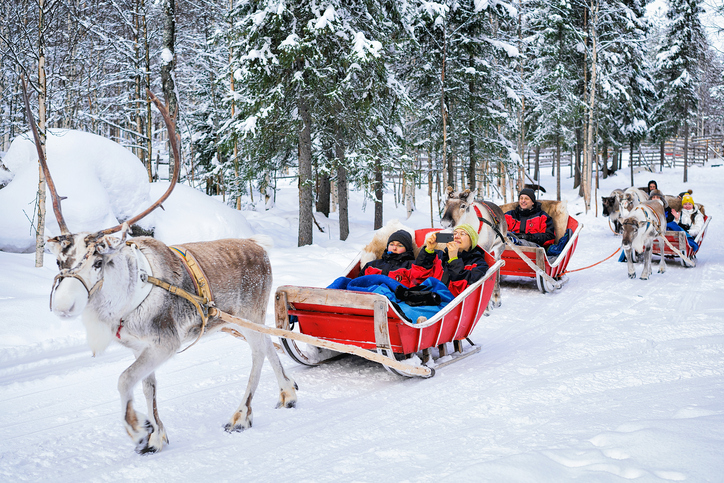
(482, 220)
(203, 300)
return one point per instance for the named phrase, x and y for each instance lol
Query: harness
(482, 220)
(203, 300)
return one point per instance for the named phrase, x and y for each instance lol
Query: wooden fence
(701, 151)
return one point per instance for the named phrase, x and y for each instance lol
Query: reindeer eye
(98, 263)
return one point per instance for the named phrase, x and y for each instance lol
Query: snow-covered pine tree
(554, 38)
(679, 65)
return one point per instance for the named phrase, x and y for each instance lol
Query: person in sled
(658, 195)
(528, 224)
(396, 261)
(689, 219)
(461, 264)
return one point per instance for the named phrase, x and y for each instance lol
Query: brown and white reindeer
(644, 223)
(486, 217)
(105, 280)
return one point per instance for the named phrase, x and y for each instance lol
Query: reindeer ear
(450, 191)
(109, 244)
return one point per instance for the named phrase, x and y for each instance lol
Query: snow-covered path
(608, 379)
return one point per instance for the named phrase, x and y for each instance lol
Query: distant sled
(548, 275)
(677, 240)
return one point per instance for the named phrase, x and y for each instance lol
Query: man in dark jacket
(528, 224)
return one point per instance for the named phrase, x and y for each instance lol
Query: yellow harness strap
(203, 301)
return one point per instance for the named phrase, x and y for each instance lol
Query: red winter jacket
(468, 268)
(394, 265)
(535, 222)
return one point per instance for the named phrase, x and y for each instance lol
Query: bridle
(73, 273)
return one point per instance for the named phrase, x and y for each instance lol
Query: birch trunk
(42, 114)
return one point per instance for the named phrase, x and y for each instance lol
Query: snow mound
(102, 181)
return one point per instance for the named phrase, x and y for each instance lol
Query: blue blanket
(386, 286)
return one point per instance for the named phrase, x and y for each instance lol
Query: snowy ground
(608, 379)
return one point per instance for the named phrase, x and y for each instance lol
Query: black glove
(524, 236)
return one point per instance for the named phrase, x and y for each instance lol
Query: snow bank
(102, 181)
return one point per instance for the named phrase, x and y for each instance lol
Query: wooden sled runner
(332, 321)
(548, 275)
(677, 240)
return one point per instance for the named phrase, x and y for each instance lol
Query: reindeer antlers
(48, 179)
(173, 137)
(170, 126)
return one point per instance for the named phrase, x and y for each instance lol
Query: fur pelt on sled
(378, 245)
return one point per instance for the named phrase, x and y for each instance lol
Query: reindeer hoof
(236, 428)
(632, 275)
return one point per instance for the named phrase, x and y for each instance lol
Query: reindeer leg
(139, 428)
(158, 437)
(242, 419)
(662, 261)
(287, 386)
(646, 272)
(629, 261)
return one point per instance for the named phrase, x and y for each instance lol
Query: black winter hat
(529, 193)
(403, 237)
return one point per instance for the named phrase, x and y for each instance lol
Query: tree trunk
(342, 199)
(662, 149)
(588, 160)
(306, 199)
(323, 193)
(473, 162)
(42, 92)
(630, 160)
(443, 110)
(558, 167)
(149, 119)
(167, 68)
(686, 144)
(536, 170)
(378, 195)
(605, 159)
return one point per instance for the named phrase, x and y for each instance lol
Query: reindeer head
(610, 205)
(456, 206)
(82, 257)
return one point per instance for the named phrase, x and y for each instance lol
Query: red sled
(556, 269)
(678, 241)
(331, 321)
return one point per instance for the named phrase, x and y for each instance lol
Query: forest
(366, 94)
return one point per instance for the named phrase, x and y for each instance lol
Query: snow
(606, 380)
(166, 56)
(102, 180)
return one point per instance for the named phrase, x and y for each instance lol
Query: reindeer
(486, 217)
(644, 223)
(107, 281)
(610, 208)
